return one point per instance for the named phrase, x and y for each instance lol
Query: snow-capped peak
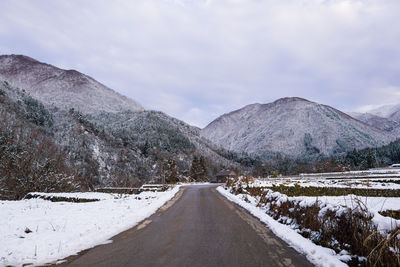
(62, 88)
(293, 126)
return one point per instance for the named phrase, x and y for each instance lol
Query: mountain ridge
(385, 118)
(265, 127)
(101, 146)
(62, 88)
(386, 111)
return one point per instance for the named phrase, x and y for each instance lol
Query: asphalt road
(199, 227)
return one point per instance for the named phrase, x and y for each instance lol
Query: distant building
(222, 176)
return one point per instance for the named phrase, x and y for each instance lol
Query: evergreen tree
(199, 170)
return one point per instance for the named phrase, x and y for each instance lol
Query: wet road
(198, 228)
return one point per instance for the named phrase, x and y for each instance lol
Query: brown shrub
(353, 229)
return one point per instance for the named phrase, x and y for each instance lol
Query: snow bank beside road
(316, 254)
(38, 231)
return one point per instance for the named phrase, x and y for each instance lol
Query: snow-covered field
(387, 171)
(360, 179)
(38, 231)
(378, 183)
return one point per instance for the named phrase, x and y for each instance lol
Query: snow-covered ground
(38, 231)
(341, 183)
(321, 256)
(369, 172)
(316, 254)
(387, 173)
(373, 204)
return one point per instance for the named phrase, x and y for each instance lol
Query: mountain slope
(395, 116)
(294, 127)
(387, 111)
(385, 124)
(62, 88)
(95, 136)
(105, 149)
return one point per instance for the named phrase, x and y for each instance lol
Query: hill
(48, 144)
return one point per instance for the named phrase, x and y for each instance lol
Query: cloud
(382, 97)
(195, 60)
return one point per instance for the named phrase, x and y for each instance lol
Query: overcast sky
(196, 60)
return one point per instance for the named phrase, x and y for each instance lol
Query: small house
(223, 175)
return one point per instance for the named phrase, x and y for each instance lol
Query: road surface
(199, 227)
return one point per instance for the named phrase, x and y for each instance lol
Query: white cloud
(366, 108)
(196, 59)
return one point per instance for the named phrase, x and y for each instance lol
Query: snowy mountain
(387, 111)
(385, 118)
(390, 125)
(90, 150)
(89, 135)
(294, 127)
(395, 116)
(62, 88)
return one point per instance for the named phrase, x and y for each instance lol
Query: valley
(294, 165)
(200, 133)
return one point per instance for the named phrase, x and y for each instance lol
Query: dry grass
(60, 199)
(333, 191)
(348, 229)
(395, 214)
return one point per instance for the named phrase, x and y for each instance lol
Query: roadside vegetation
(47, 149)
(391, 213)
(386, 181)
(350, 231)
(312, 191)
(53, 198)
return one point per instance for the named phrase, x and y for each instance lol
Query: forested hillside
(51, 149)
(353, 160)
